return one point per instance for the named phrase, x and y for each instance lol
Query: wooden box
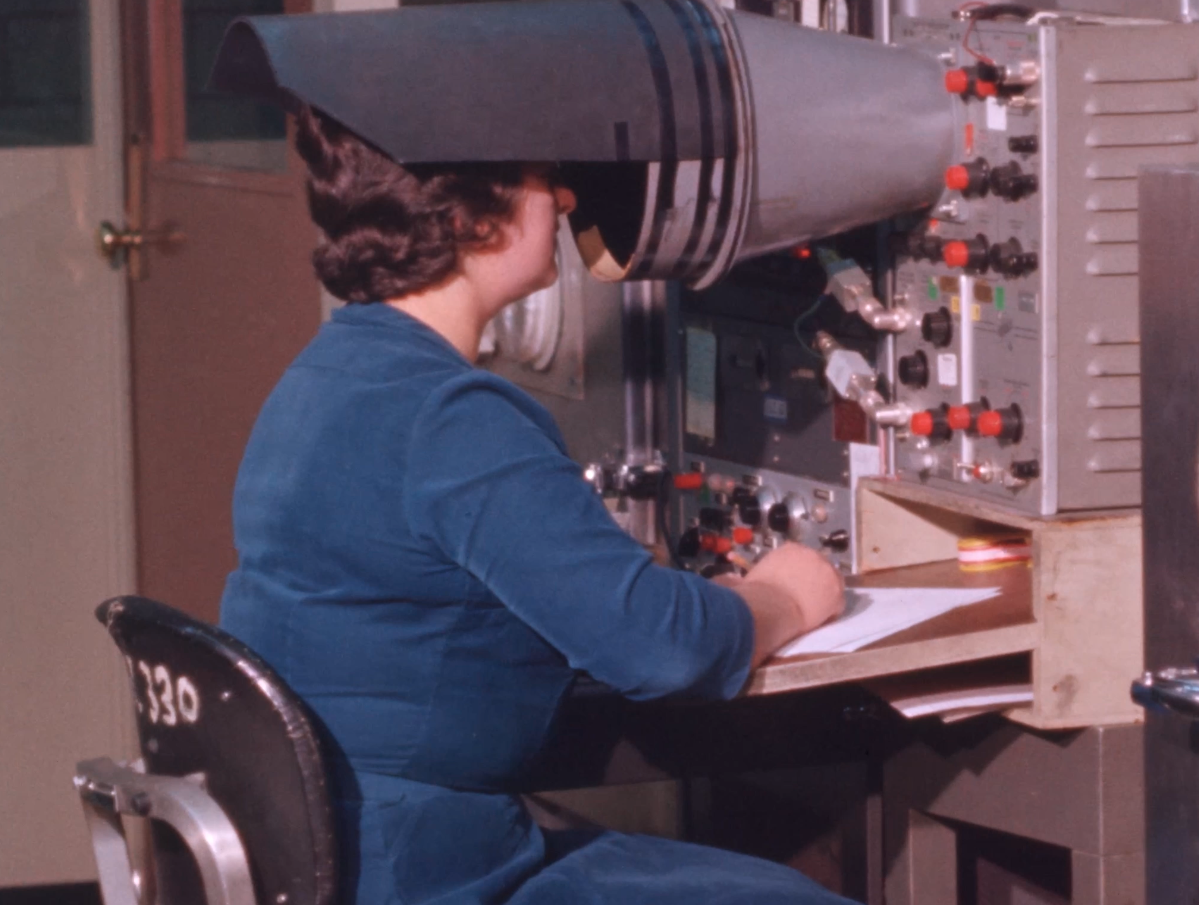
(1075, 611)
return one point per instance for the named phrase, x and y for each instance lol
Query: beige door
(65, 504)
(221, 304)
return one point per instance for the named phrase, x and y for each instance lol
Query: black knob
(988, 72)
(779, 518)
(1011, 260)
(1012, 183)
(1027, 470)
(838, 541)
(721, 567)
(930, 246)
(913, 370)
(922, 246)
(713, 519)
(1024, 144)
(750, 510)
(914, 245)
(688, 546)
(937, 328)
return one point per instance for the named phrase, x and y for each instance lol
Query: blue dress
(421, 561)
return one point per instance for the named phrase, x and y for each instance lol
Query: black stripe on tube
(664, 200)
(704, 95)
(724, 81)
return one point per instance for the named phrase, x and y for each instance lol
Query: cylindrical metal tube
(846, 131)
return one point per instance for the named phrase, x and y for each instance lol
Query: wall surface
(65, 478)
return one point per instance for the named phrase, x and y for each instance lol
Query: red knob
(957, 81)
(959, 417)
(956, 254)
(691, 480)
(990, 424)
(957, 178)
(986, 89)
(743, 536)
(714, 543)
(922, 424)
(1006, 424)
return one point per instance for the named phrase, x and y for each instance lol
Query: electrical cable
(660, 505)
(977, 11)
(803, 317)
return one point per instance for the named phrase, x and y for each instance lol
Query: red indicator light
(743, 536)
(692, 480)
(922, 424)
(986, 89)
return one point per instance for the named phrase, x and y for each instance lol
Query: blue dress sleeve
(492, 489)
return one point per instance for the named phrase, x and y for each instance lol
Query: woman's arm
(488, 487)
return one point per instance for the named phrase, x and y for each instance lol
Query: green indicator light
(705, 496)
(1000, 298)
(932, 289)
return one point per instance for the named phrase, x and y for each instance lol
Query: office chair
(231, 775)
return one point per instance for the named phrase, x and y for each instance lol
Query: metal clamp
(636, 482)
(852, 378)
(1170, 690)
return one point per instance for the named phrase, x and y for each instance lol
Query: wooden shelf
(993, 628)
(1076, 609)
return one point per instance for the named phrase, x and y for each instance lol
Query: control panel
(733, 515)
(766, 449)
(1021, 367)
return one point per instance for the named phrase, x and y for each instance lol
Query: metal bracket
(1169, 691)
(109, 791)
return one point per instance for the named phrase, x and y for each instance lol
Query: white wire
(1091, 19)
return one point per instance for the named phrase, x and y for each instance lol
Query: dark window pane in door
(44, 73)
(223, 130)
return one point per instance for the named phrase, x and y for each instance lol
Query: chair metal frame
(111, 791)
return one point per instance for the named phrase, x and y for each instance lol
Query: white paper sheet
(872, 614)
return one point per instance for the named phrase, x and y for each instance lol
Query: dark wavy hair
(388, 230)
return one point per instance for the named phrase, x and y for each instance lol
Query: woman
(425, 566)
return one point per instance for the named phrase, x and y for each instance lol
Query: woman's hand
(814, 586)
(789, 591)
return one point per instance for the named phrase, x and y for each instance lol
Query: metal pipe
(638, 366)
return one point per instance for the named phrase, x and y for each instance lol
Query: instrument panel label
(947, 369)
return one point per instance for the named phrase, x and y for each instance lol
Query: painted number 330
(169, 700)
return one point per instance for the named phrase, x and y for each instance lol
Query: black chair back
(208, 705)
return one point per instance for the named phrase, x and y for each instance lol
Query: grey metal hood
(566, 80)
